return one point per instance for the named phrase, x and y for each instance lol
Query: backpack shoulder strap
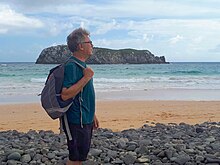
(64, 124)
(80, 96)
(72, 60)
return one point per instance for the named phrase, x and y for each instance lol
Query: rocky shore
(159, 144)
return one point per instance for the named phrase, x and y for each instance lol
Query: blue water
(18, 79)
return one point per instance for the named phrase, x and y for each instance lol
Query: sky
(182, 31)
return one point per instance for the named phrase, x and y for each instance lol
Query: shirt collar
(79, 61)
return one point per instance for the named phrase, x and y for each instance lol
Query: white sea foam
(3, 65)
(38, 80)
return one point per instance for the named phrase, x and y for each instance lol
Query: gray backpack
(51, 99)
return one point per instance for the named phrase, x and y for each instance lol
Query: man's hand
(96, 123)
(88, 73)
(72, 91)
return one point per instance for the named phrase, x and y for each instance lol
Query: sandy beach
(115, 115)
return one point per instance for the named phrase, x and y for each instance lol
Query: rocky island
(60, 53)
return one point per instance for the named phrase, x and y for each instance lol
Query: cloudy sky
(182, 31)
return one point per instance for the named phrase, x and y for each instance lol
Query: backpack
(51, 99)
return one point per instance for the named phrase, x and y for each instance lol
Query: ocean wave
(118, 80)
(192, 72)
(7, 75)
(38, 80)
(4, 65)
(161, 79)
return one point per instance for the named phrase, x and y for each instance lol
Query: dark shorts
(81, 139)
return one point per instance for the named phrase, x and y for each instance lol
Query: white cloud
(121, 9)
(50, 6)
(176, 39)
(102, 43)
(216, 49)
(146, 37)
(107, 26)
(3, 30)
(9, 19)
(198, 39)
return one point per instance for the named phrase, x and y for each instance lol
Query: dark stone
(199, 130)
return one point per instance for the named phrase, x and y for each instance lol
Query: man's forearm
(72, 91)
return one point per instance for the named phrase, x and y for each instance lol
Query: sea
(23, 81)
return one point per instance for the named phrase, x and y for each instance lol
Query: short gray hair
(75, 38)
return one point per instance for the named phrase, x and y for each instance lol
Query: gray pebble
(170, 144)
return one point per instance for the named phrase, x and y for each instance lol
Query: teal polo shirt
(72, 74)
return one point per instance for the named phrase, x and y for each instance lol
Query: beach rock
(212, 160)
(26, 158)
(143, 159)
(129, 159)
(13, 162)
(199, 130)
(51, 155)
(121, 143)
(160, 144)
(182, 159)
(95, 152)
(14, 156)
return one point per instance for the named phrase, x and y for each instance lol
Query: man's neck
(79, 56)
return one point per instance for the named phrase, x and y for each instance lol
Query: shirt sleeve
(70, 75)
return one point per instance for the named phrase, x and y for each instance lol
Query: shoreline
(116, 115)
(170, 94)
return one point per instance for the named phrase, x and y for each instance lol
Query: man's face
(87, 46)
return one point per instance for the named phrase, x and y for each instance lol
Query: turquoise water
(158, 76)
(17, 79)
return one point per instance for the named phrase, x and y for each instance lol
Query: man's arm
(96, 122)
(72, 91)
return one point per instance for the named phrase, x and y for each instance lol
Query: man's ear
(80, 47)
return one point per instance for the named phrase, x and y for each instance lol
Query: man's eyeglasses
(87, 42)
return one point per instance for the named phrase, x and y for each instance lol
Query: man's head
(79, 40)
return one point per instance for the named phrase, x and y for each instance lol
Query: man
(78, 84)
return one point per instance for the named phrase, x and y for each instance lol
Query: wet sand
(115, 115)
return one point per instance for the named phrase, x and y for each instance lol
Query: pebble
(160, 144)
